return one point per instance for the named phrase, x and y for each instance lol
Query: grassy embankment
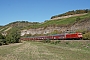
(68, 50)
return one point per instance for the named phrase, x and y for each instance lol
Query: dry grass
(42, 51)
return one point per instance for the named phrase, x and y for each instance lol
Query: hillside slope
(75, 23)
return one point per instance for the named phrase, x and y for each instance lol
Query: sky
(37, 10)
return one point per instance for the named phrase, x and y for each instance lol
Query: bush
(1, 43)
(6, 43)
(86, 36)
(67, 42)
(52, 42)
(56, 42)
(47, 41)
(13, 36)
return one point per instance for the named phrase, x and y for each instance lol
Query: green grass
(46, 51)
(61, 22)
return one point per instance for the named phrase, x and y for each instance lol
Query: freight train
(56, 37)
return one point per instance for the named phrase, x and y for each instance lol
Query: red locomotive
(56, 37)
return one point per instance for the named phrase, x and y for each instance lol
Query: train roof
(57, 34)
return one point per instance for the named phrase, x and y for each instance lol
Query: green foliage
(83, 31)
(52, 42)
(86, 36)
(55, 42)
(64, 22)
(58, 41)
(24, 24)
(78, 18)
(1, 39)
(6, 42)
(1, 36)
(67, 42)
(1, 42)
(72, 13)
(47, 41)
(13, 36)
(55, 32)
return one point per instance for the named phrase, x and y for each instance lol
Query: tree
(1, 36)
(13, 36)
(2, 40)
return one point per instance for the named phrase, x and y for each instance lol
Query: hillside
(57, 26)
(68, 16)
(71, 13)
(75, 23)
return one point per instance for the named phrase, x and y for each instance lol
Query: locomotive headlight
(79, 35)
